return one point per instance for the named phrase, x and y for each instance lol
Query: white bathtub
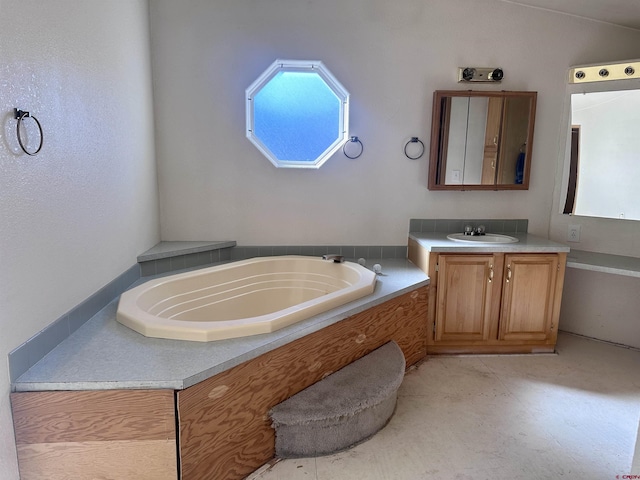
(239, 299)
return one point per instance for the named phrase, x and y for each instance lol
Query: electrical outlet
(455, 176)
(573, 234)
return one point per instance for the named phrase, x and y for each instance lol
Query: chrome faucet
(470, 230)
(333, 256)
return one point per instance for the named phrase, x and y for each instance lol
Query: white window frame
(335, 86)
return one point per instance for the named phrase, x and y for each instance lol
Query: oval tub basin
(238, 299)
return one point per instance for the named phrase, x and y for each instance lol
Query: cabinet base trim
(488, 349)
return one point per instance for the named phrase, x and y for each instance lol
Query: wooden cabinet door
(529, 287)
(467, 308)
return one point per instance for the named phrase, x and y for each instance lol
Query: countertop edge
(439, 243)
(172, 249)
(604, 263)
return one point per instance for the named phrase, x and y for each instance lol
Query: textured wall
(391, 56)
(75, 216)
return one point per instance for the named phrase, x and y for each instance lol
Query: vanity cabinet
(492, 302)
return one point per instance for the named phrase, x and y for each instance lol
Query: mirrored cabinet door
(481, 140)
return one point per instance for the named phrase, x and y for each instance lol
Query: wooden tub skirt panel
(106, 434)
(225, 430)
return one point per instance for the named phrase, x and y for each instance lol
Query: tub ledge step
(341, 410)
(171, 256)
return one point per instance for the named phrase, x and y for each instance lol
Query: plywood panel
(51, 417)
(225, 430)
(114, 460)
(418, 255)
(107, 434)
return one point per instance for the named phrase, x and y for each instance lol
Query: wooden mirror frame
(437, 127)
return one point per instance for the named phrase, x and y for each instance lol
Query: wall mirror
(602, 159)
(481, 140)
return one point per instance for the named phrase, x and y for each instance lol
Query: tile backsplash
(450, 225)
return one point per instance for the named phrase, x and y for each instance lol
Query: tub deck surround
(174, 249)
(103, 354)
(170, 256)
(239, 299)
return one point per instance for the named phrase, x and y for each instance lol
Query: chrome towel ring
(414, 140)
(20, 115)
(353, 140)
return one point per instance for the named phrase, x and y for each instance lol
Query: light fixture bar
(480, 74)
(604, 72)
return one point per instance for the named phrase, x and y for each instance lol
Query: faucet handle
(333, 256)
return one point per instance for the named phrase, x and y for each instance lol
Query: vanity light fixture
(480, 74)
(604, 72)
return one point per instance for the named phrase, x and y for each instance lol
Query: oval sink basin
(486, 238)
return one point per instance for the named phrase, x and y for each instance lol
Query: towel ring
(414, 140)
(353, 140)
(21, 115)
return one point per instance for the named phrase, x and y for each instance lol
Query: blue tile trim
(33, 350)
(351, 252)
(453, 225)
(170, 263)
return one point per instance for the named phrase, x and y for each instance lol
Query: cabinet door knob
(490, 273)
(508, 273)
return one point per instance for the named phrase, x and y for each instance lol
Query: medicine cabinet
(481, 140)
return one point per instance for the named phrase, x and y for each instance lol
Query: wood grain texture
(465, 291)
(225, 429)
(140, 460)
(105, 434)
(418, 255)
(83, 416)
(542, 272)
(528, 297)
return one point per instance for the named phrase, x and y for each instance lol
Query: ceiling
(620, 12)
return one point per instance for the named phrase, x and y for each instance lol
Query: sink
(486, 238)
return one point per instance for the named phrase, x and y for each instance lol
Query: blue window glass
(297, 114)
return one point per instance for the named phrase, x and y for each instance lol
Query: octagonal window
(297, 114)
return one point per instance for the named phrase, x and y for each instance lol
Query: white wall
(75, 216)
(391, 56)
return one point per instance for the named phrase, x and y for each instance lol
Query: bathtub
(238, 299)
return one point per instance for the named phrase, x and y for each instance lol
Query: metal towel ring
(353, 140)
(21, 115)
(414, 140)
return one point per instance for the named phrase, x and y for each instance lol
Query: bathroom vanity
(491, 297)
